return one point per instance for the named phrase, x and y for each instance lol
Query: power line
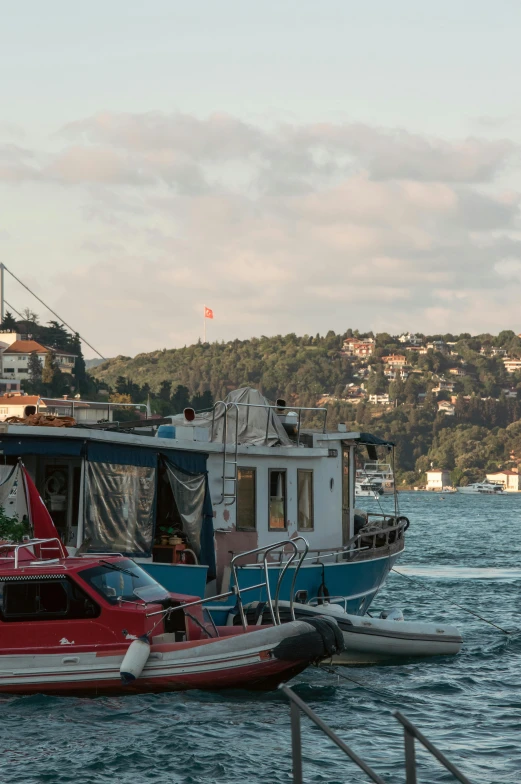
(51, 310)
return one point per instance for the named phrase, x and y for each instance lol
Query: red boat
(100, 624)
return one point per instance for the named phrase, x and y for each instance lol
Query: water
(466, 548)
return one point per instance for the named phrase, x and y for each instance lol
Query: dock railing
(411, 733)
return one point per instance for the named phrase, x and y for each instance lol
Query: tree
(80, 372)
(180, 399)
(52, 377)
(30, 315)
(9, 322)
(165, 390)
(57, 336)
(34, 367)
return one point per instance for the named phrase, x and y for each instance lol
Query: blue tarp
(121, 454)
(52, 447)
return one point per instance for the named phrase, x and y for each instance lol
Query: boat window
(277, 508)
(125, 580)
(40, 600)
(305, 500)
(246, 498)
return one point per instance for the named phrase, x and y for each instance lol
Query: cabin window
(45, 600)
(277, 507)
(246, 498)
(305, 500)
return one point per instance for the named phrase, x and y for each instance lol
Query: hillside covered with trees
(452, 402)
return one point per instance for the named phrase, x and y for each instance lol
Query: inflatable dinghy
(369, 640)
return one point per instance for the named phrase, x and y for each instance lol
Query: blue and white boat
(239, 477)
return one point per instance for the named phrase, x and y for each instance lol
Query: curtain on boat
(192, 498)
(119, 508)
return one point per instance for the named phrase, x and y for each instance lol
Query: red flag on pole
(41, 520)
(208, 313)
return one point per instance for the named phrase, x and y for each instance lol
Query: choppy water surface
(465, 548)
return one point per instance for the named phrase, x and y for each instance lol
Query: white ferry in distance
(485, 488)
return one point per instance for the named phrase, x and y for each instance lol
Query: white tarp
(12, 496)
(257, 424)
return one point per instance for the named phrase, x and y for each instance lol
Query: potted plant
(12, 529)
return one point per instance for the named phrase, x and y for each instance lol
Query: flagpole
(204, 323)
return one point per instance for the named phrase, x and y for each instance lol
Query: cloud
(290, 228)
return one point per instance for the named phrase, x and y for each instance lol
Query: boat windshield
(116, 580)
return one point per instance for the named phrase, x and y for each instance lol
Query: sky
(296, 166)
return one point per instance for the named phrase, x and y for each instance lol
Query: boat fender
(394, 614)
(405, 520)
(134, 660)
(323, 640)
(332, 637)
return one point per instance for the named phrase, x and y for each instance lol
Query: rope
(385, 694)
(449, 601)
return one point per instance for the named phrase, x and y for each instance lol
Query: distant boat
(377, 473)
(368, 490)
(484, 488)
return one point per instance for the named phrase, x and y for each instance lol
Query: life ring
(401, 520)
(55, 483)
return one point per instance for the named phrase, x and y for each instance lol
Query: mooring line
(449, 601)
(385, 694)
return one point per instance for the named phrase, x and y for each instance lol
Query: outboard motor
(394, 614)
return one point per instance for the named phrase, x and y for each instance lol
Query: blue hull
(357, 582)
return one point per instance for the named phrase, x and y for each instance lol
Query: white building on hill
(15, 357)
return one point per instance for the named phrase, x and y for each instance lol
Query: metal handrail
(296, 706)
(411, 733)
(268, 406)
(352, 547)
(267, 549)
(98, 403)
(237, 591)
(233, 405)
(30, 543)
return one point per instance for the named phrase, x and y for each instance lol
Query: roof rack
(30, 543)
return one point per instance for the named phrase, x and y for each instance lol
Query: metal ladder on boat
(230, 451)
(411, 733)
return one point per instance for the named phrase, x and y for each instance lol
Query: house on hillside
(411, 340)
(393, 373)
(380, 400)
(512, 365)
(443, 386)
(358, 347)
(510, 480)
(22, 405)
(395, 360)
(437, 479)
(446, 407)
(438, 345)
(15, 358)
(458, 371)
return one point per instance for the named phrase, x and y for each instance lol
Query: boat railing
(362, 542)
(230, 448)
(411, 733)
(52, 544)
(237, 591)
(71, 405)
